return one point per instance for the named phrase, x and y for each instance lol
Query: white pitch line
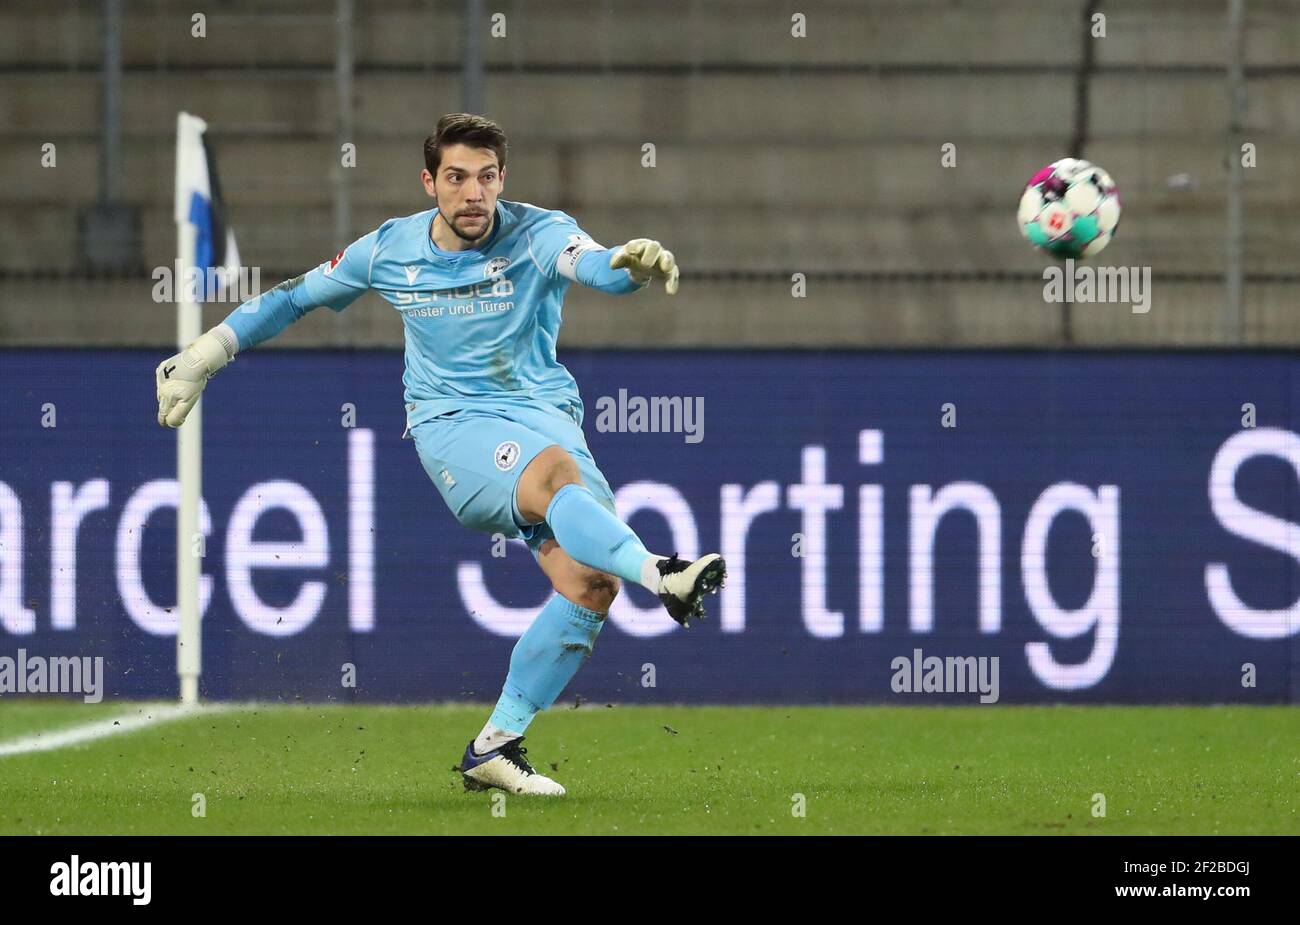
(100, 729)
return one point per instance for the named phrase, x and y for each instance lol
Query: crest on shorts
(506, 455)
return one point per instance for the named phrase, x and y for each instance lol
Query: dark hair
(465, 129)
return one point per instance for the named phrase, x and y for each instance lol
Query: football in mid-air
(1070, 208)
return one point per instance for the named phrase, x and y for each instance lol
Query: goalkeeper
(496, 420)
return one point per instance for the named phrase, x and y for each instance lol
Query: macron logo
(411, 274)
(90, 878)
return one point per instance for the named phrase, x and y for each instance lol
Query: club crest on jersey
(506, 455)
(329, 269)
(495, 266)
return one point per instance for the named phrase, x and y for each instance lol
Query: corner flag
(207, 264)
(198, 202)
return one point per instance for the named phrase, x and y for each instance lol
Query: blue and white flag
(214, 262)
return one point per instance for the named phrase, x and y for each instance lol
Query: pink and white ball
(1070, 208)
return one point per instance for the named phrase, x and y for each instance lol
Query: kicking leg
(551, 490)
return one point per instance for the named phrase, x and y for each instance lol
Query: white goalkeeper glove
(181, 378)
(646, 260)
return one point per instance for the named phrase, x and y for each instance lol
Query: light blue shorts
(475, 457)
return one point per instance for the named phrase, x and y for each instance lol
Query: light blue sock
(545, 658)
(594, 536)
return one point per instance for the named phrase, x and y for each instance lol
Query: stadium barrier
(1086, 527)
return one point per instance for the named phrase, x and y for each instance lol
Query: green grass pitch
(666, 770)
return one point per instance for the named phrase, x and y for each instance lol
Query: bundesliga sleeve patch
(567, 264)
(333, 264)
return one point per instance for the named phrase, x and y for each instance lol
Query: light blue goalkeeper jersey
(481, 324)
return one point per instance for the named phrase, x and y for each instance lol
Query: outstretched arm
(560, 248)
(336, 283)
(645, 260)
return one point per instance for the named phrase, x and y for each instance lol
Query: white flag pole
(189, 437)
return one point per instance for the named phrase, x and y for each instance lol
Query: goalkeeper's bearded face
(466, 188)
